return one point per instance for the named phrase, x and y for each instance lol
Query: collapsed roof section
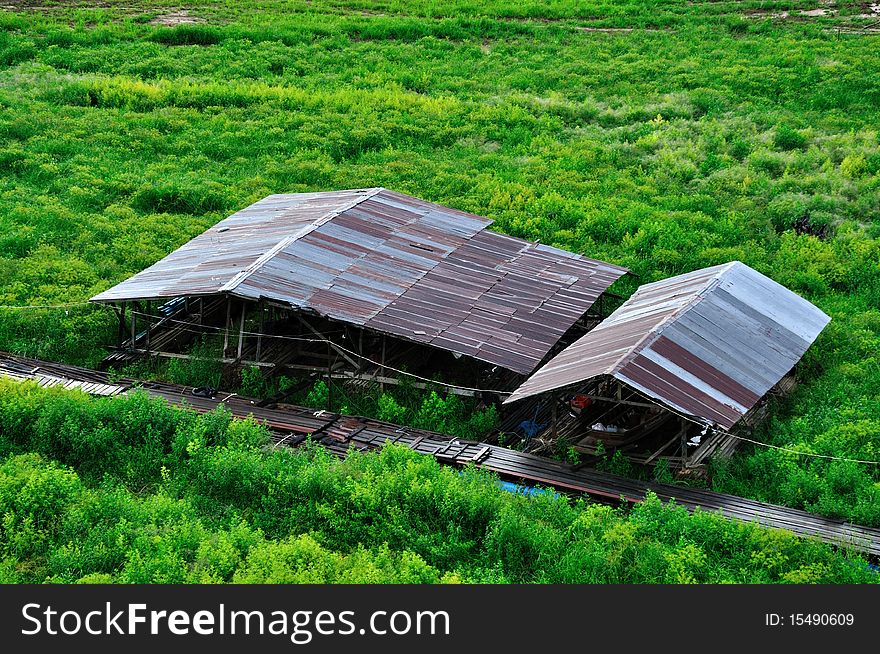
(708, 344)
(390, 263)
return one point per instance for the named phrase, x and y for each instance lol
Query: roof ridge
(242, 275)
(652, 335)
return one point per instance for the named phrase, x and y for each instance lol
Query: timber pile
(292, 425)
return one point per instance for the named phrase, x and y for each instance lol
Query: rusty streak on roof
(708, 344)
(391, 263)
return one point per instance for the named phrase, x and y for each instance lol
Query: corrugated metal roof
(391, 263)
(708, 344)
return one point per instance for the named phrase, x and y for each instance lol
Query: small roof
(708, 344)
(392, 263)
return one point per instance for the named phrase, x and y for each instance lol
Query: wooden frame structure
(275, 338)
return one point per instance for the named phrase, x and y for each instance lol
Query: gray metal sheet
(709, 343)
(392, 263)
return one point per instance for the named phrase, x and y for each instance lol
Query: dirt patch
(181, 17)
(791, 15)
(869, 11)
(25, 5)
(621, 30)
(604, 29)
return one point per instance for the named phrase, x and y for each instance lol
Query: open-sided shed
(374, 262)
(706, 345)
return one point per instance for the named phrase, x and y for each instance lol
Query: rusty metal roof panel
(207, 263)
(708, 344)
(484, 296)
(392, 263)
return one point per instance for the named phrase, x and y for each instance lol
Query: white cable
(433, 381)
(821, 456)
(761, 443)
(302, 339)
(45, 306)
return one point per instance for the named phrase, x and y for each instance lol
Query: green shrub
(188, 35)
(224, 509)
(787, 137)
(202, 368)
(301, 560)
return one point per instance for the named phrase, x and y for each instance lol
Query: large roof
(391, 263)
(708, 344)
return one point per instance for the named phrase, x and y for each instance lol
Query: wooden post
(226, 327)
(241, 328)
(684, 447)
(201, 311)
(361, 350)
(329, 379)
(147, 320)
(382, 367)
(121, 325)
(553, 415)
(260, 332)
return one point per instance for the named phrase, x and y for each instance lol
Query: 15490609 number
(822, 619)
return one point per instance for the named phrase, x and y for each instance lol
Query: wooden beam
(260, 364)
(226, 324)
(340, 374)
(684, 446)
(382, 367)
(241, 328)
(661, 450)
(262, 310)
(330, 343)
(329, 380)
(617, 401)
(392, 381)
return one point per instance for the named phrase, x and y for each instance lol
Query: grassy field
(663, 136)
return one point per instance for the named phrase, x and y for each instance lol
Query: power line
(821, 456)
(305, 339)
(434, 381)
(25, 307)
(715, 430)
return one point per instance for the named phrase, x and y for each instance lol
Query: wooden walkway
(291, 425)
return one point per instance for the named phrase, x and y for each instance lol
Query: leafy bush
(301, 560)
(222, 508)
(787, 137)
(202, 368)
(188, 35)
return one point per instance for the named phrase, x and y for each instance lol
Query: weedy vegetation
(132, 490)
(662, 136)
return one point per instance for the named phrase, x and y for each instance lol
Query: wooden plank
(481, 455)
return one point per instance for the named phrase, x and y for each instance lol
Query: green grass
(695, 139)
(132, 490)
